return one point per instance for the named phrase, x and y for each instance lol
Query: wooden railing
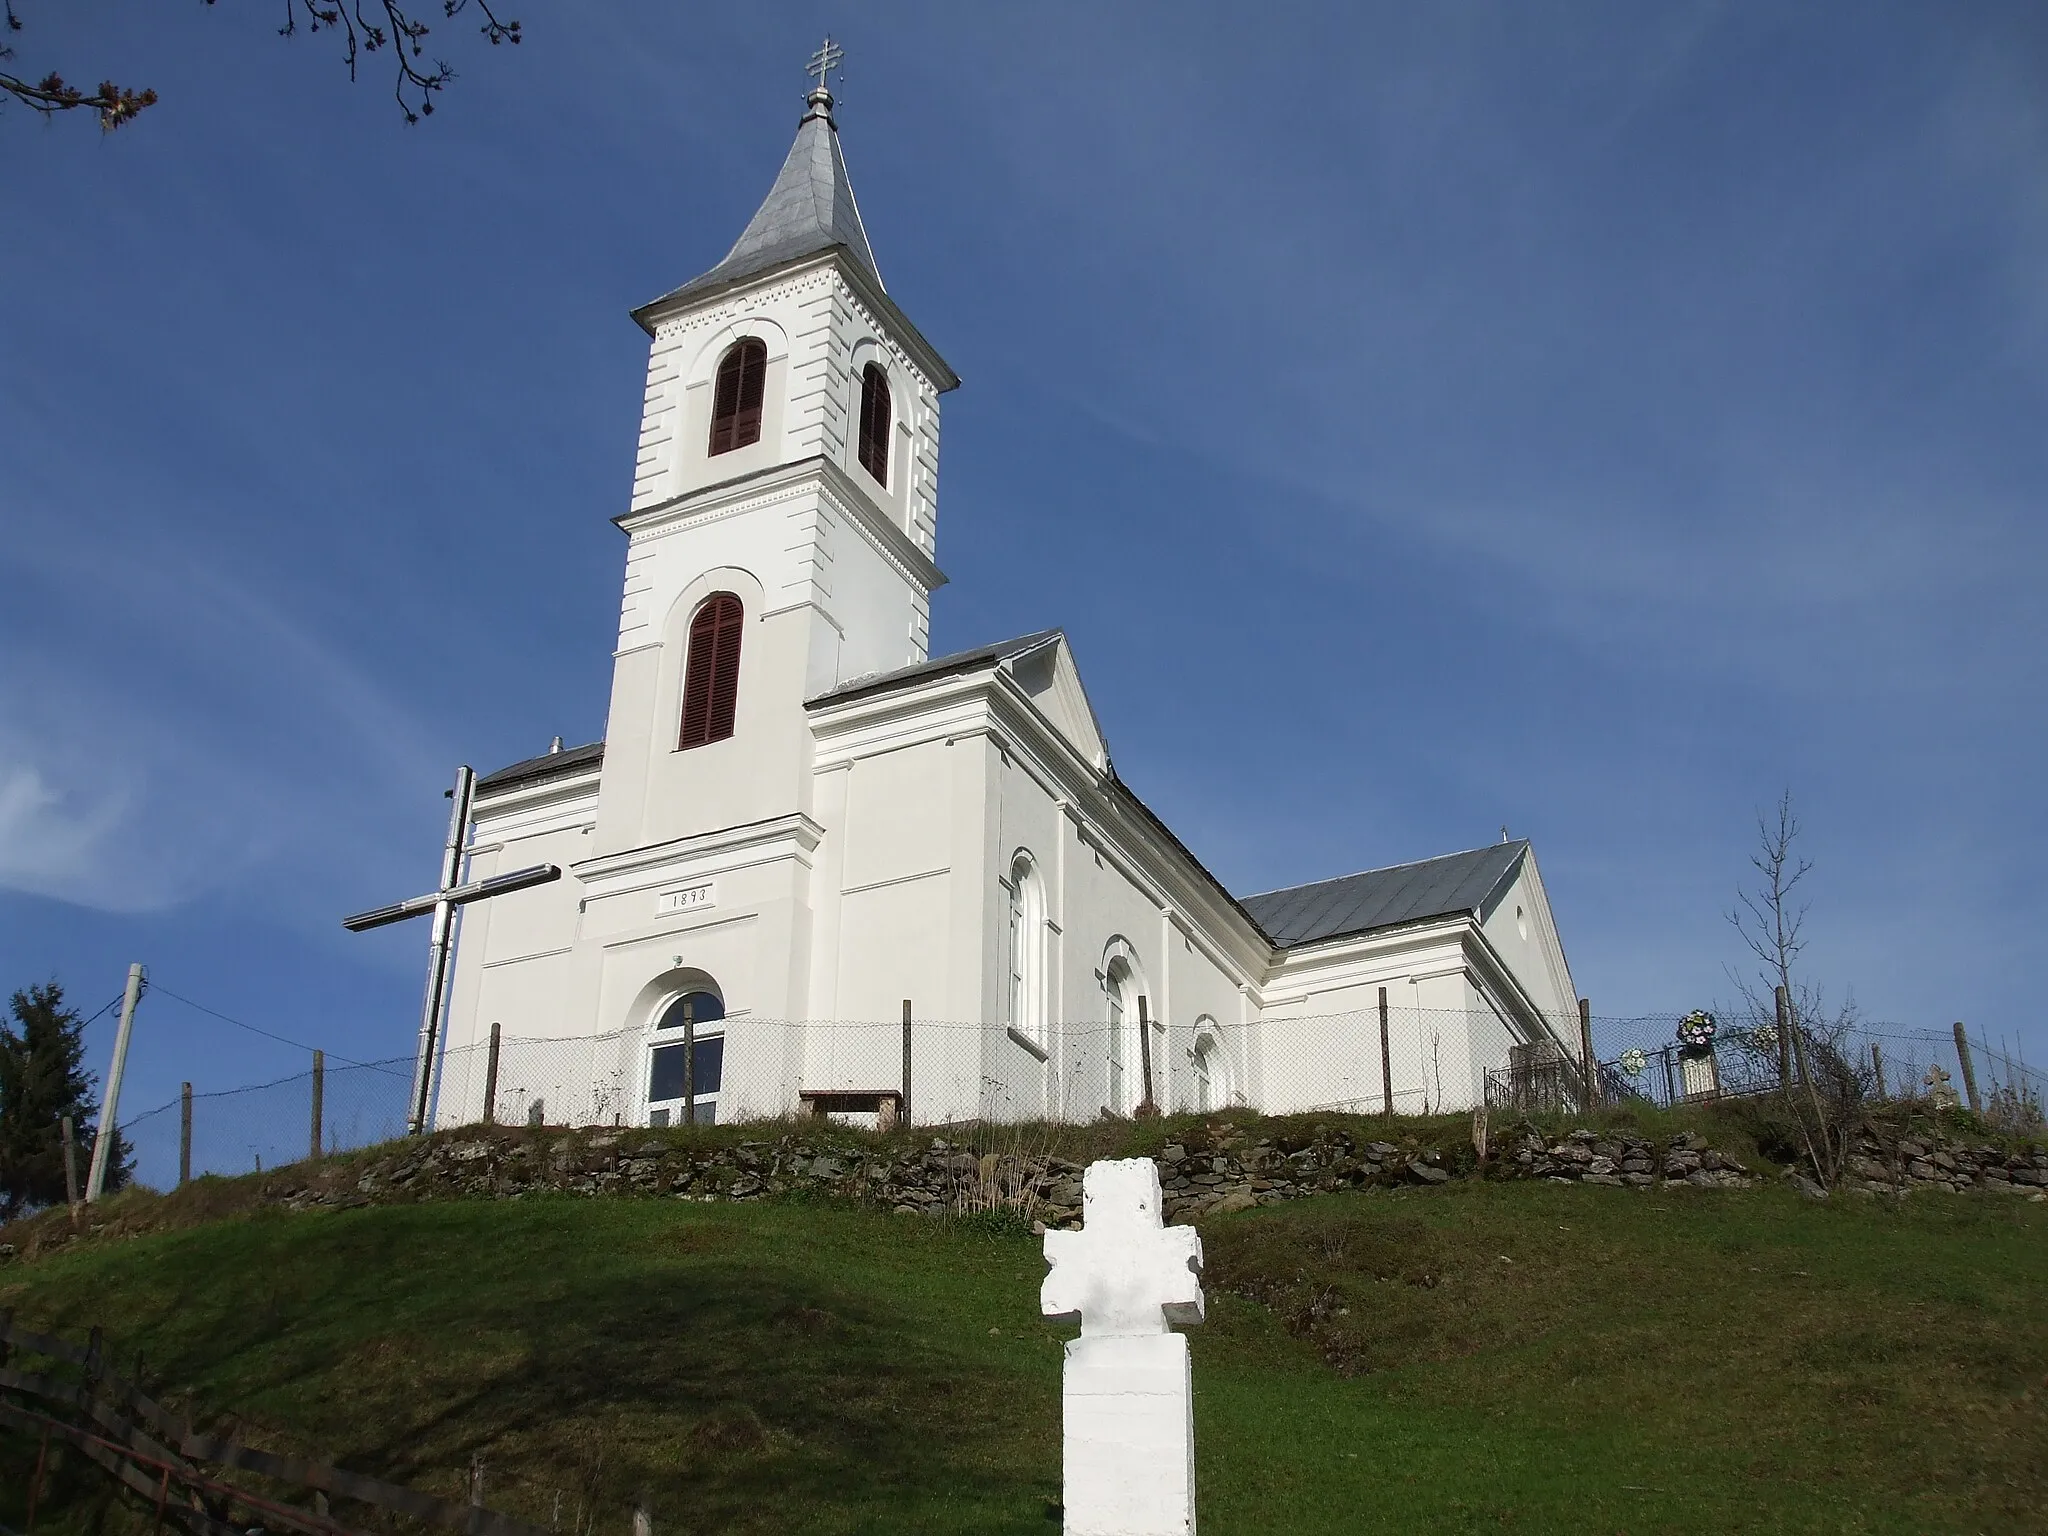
(152, 1452)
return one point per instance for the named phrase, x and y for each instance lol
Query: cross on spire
(825, 60)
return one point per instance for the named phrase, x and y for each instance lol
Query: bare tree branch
(116, 104)
(1831, 1083)
(390, 24)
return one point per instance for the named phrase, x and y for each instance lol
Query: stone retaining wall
(1222, 1171)
(1896, 1165)
(1222, 1168)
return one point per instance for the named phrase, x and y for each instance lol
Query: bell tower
(783, 523)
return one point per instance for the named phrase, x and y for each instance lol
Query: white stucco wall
(831, 860)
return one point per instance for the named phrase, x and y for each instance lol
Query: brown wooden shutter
(711, 671)
(875, 422)
(725, 670)
(753, 385)
(736, 395)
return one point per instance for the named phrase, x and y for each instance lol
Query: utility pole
(110, 1107)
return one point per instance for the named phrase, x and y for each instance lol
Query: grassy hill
(1496, 1357)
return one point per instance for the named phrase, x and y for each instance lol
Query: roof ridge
(1387, 869)
(994, 651)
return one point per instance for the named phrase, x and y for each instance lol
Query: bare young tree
(1821, 1080)
(364, 26)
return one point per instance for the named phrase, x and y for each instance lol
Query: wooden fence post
(1386, 1059)
(184, 1135)
(491, 1079)
(1589, 1086)
(1145, 1104)
(689, 1061)
(906, 1062)
(319, 1098)
(1877, 1069)
(1969, 1069)
(70, 1164)
(35, 1487)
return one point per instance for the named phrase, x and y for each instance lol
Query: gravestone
(1128, 1442)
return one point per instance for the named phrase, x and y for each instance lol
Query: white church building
(800, 828)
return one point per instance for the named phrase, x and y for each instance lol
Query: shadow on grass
(594, 1358)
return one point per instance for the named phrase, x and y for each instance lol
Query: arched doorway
(686, 1059)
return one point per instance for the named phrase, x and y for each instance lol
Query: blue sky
(1587, 418)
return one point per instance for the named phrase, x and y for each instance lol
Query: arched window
(736, 396)
(1027, 950)
(1211, 1090)
(687, 1067)
(874, 422)
(711, 672)
(1117, 982)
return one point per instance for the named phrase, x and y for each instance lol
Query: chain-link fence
(267, 1125)
(1665, 1060)
(935, 1072)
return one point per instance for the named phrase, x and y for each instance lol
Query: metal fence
(1644, 1060)
(937, 1072)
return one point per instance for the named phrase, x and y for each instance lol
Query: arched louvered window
(736, 396)
(874, 422)
(711, 672)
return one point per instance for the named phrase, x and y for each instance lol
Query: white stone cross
(1127, 1391)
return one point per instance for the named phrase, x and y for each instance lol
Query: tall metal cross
(442, 902)
(825, 60)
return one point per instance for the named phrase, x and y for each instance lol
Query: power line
(111, 1003)
(157, 986)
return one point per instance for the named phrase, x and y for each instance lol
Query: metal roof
(1384, 898)
(937, 667)
(549, 765)
(810, 209)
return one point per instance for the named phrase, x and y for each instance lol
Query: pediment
(1049, 678)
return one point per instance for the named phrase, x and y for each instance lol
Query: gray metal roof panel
(549, 765)
(809, 209)
(1384, 898)
(937, 667)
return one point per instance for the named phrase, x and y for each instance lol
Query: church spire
(809, 210)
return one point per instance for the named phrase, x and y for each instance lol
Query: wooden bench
(885, 1104)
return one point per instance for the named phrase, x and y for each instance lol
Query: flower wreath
(1696, 1030)
(1635, 1060)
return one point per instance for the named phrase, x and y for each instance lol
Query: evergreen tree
(43, 1078)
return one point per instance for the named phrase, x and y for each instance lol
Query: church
(813, 869)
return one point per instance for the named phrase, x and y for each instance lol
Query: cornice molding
(531, 797)
(665, 321)
(775, 486)
(796, 828)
